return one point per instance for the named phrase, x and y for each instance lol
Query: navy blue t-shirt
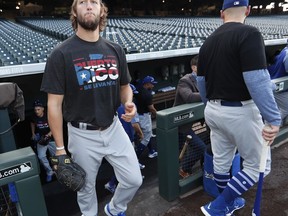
(41, 124)
(143, 100)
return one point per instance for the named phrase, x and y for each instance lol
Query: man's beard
(90, 25)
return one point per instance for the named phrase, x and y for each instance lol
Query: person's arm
(285, 61)
(138, 130)
(126, 95)
(201, 83)
(55, 120)
(152, 109)
(186, 92)
(259, 86)
(49, 134)
(32, 125)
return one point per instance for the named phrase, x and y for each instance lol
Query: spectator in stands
(86, 78)
(133, 131)
(42, 137)
(187, 92)
(145, 108)
(279, 68)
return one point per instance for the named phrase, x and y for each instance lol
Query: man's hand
(269, 133)
(130, 111)
(44, 140)
(140, 135)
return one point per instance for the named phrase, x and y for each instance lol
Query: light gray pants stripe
(88, 148)
(235, 128)
(145, 122)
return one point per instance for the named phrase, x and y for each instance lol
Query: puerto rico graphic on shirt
(42, 125)
(96, 72)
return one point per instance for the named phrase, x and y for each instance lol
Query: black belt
(86, 126)
(143, 113)
(229, 103)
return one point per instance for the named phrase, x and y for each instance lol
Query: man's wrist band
(60, 148)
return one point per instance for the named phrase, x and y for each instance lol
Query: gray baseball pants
(235, 128)
(145, 122)
(88, 148)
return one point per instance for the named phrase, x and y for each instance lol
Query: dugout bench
(281, 85)
(167, 98)
(167, 123)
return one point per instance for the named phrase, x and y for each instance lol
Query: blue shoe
(208, 210)
(153, 154)
(142, 166)
(49, 178)
(110, 188)
(107, 211)
(238, 203)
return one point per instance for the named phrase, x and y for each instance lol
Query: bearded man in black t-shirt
(89, 76)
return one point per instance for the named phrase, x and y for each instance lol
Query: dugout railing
(171, 183)
(20, 170)
(21, 191)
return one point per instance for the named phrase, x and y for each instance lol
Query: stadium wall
(28, 78)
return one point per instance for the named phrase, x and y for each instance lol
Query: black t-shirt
(231, 50)
(143, 100)
(41, 124)
(89, 75)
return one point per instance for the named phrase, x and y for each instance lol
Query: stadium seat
(36, 37)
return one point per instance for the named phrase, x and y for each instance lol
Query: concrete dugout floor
(148, 202)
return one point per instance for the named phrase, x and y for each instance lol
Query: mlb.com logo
(236, 3)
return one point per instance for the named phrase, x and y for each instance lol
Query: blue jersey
(278, 69)
(126, 125)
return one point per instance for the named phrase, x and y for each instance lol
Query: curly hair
(103, 18)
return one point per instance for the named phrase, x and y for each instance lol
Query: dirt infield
(274, 197)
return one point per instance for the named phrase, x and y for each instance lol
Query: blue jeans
(42, 155)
